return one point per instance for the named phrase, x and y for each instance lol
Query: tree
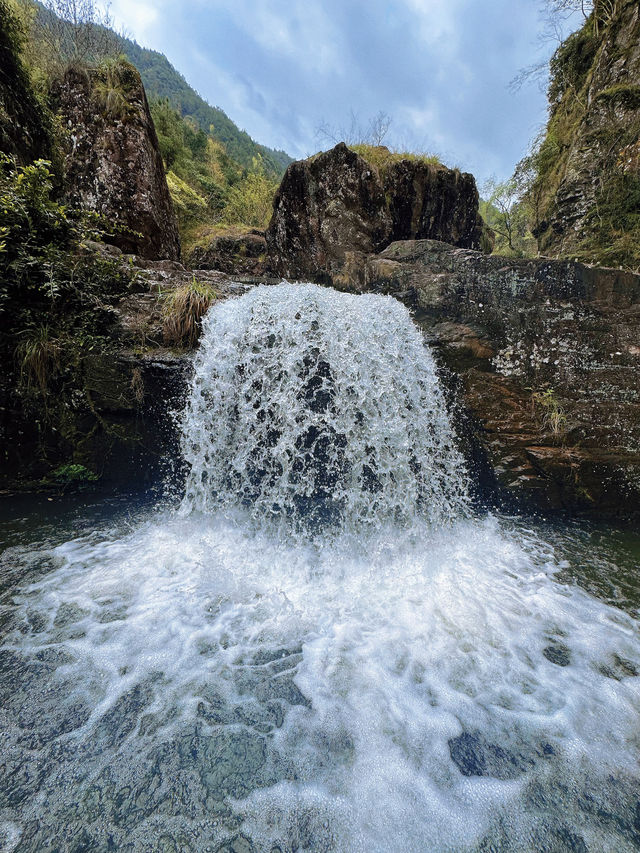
(506, 214)
(74, 32)
(373, 132)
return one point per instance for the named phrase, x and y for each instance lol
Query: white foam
(403, 648)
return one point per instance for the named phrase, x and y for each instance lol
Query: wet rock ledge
(545, 357)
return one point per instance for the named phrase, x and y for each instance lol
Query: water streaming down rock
(319, 407)
(191, 682)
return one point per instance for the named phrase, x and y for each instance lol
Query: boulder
(336, 207)
(113, 165)
(243, 253)
(326, 206)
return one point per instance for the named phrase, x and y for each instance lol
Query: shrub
(250, 202)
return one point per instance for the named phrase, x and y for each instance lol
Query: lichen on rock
(112, 161)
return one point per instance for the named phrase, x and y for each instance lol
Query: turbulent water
(322, 649)
(313, 407)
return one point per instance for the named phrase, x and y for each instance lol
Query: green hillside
(161, 80)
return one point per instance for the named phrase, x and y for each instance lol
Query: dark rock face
(333, 209)
(113, 164)
(546, 356)
(239, 254)
(434, 203)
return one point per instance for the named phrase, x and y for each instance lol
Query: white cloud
(140, 20)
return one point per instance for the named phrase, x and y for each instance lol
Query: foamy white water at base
(435, 691)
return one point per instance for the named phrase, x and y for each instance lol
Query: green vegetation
(72, 474)
(114, 83)
(506, 213)
(163, 82)
(183, 310)
(55, 299)
(207, 186)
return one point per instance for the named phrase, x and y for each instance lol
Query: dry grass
(39, 358)
(381, 157)
(183, 310)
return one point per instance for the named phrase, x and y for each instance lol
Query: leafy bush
(72, 474)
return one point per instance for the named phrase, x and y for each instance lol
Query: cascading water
(316, 406)
(305, 656)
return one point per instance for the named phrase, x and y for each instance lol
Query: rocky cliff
(336, 207)
(112, 161)
(587, 192)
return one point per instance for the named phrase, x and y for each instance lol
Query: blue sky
(439, 69)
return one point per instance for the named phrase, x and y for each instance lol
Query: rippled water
(213, 677)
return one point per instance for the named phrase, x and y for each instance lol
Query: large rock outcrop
(113, 164)
(587, 194)
(545, 355)
(336, 207)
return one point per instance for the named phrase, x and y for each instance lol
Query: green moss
(626, 95)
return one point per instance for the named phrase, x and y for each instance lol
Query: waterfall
(318, 407)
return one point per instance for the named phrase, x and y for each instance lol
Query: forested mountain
(161, 80)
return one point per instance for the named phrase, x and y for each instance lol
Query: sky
(282, 69)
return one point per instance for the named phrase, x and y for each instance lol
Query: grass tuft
(183, 310)
(39, 357)
(381, 157)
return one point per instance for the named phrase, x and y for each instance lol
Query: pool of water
(198, 683)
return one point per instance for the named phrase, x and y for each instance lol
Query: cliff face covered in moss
(586, 197)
